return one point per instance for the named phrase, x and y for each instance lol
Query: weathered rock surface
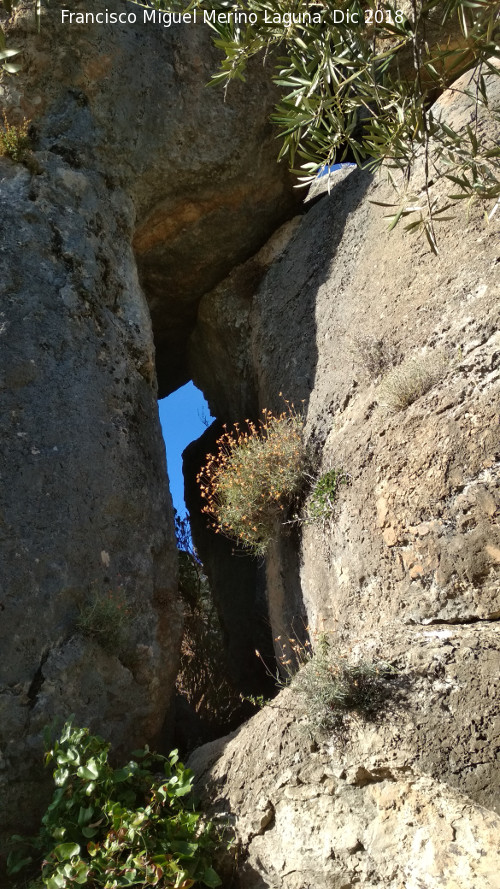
(131, 101)
(406, 567)
(130, 150)
(84, 502)
(222, 336)
(415, 536)
(303, 818)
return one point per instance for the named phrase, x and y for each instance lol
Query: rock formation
(138, 225)
(303, 818)
(404, 571)
(144, 188)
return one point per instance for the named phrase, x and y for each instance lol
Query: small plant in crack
(330, 687)
(406, 382)
(106, 618)
(376, 354)
(324, 493)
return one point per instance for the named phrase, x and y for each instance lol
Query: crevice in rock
(473, 619)
(37, 681)
(223, 597)
(237, 581)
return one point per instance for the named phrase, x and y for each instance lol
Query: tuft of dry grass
(106, 618)
(332, 688)
(375, 354)
(329, 687)
(252, 478)
(406, 382)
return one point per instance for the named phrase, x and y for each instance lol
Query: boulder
(404, 568)
(143, 188)
(131, 100)
(303, 817)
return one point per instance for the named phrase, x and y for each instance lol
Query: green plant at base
(106, 618)
(324, 494)
(406, 382)
(109, 827)
(254, 476)
(15, 141)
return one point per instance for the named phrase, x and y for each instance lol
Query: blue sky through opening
(182, 416)
(331, 169)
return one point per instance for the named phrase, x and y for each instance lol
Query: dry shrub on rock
(402, 385)
(255, 474)
(330, 687)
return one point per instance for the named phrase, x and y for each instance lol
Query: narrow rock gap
(37, 681)
(219, 671)
(184, 415)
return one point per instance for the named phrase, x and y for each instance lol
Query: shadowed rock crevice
(244, 362)
(237, 582)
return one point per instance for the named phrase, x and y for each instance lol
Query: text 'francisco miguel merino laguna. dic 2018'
(234, 16)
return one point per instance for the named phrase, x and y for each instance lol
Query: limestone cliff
(406, 569)
(133, 259)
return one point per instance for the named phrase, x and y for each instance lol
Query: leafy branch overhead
(357, 80)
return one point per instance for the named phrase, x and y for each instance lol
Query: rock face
(405, 568)
(85, 508)
(145, 192)
(305, 819)
(201, 171)
(141, 183)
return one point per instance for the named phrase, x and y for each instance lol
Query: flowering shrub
(253, 477)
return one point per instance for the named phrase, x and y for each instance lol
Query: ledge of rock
(303, 816)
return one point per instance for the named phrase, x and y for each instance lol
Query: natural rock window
(184, 416)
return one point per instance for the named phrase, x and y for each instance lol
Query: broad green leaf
(66, 850)
(90, 772)
(57, 881)
(85, 814)
(211, 878)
